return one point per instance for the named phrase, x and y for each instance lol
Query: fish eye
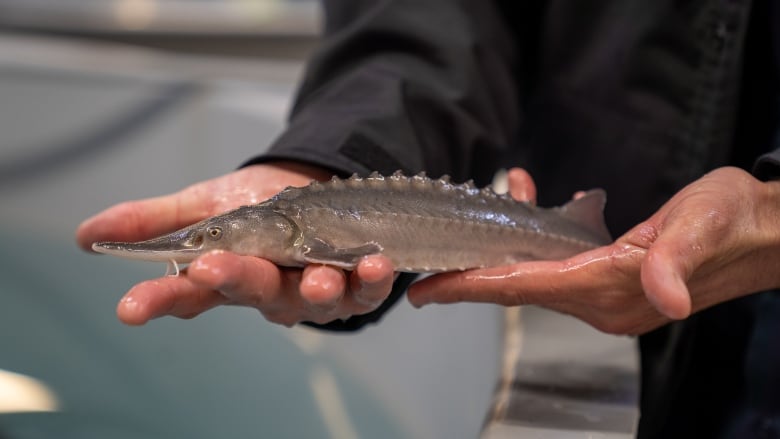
(214, 232)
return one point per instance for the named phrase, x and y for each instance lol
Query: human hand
(715, 240)
(283, 295)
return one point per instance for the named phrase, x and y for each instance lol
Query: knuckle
(643, 235)
(713, 220)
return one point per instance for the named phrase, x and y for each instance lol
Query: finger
(372, 281)
(670, 261)
(244, 280)
(175, 296)
(253, 282)
(664, 283)
(579, 279)
(524, 283)
(322, 288)
(521, 185)
(142, 219)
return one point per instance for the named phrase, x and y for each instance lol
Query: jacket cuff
(767, 167)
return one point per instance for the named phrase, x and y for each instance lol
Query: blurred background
(103, 101)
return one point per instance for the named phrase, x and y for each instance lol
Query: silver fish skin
(420, 224)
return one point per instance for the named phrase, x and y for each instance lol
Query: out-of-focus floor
(84, 125)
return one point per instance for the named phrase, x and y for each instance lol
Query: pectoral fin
(320, 252)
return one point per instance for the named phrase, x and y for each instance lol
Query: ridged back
(418, 195)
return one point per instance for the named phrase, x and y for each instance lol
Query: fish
(423, 225)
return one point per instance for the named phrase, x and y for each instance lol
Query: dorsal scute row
(396, 182)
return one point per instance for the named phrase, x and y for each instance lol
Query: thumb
(521, 185)
(669, 264)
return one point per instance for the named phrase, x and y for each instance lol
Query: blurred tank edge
(275, 29)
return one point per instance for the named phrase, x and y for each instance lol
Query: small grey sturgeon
(420, 224)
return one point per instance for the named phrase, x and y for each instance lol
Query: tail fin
(588, 211)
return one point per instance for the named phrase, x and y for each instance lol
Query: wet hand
(284, 295)
(717, 239)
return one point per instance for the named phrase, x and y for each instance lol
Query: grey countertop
(563, 379)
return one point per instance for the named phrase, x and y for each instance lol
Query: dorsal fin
(588, 211)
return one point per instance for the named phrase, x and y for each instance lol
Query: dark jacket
(638, 97)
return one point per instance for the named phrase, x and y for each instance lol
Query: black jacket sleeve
(405, 84)
(767, 167)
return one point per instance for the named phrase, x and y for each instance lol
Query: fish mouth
(179, 247)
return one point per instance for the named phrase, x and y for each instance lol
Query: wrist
(768, 230)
